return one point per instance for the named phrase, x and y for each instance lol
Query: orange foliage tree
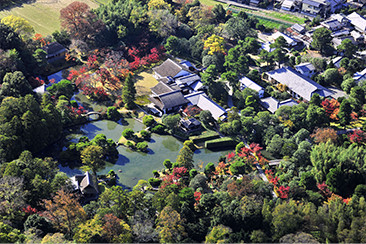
(64, 211)
(322, 135)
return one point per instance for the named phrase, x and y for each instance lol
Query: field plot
(43, 15)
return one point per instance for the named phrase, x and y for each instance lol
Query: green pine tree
(129, 92)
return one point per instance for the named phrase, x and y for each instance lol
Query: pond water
(136, 165)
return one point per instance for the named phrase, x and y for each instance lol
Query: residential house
(245, 82)
(342, 19)
(291, 42)
(85, 184)
(315, 7)
(55, 51)
(299, 86)
(291, 5)
(338, 40)
(357, 37)
(272, 104)
(189, 83)
(306, 69)
(358, 21)
(331, 24)
(170, 70)
(166, 98)
(300, 29)
(360, 76)
(190, 125)
(201, 100)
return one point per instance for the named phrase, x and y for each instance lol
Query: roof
(272, 104)
(205, 103)
(287, 4)
(357, 20)
(197, 85)
(298, 28)
(332, 24)
(250, 84)
(84, 183)
(340, 17)
(188, 79)
(168, 100)
(312, 3)
(53, 48)
(41, 89)
(170, 69)
(356, 35)
(296, 82)
(190, 122)
(337, 60)
(358, 76)
(161, 88)
(305, 67)
(289, 40)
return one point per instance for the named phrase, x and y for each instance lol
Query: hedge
(204, 137)
(222, 142)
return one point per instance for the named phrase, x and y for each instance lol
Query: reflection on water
(137, 165)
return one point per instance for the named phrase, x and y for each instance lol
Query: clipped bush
(148, 120)
(158, 129)
(154, 182)
(156, 173)
(145, 134)
(130, 144)
(128, 133)
(113, 114)
(142, 146)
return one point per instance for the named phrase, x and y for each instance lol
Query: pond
(136, 165)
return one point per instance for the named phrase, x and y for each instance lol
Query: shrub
(158, 129)
(237, 167)
(193, 173)
(142, 146)
(130, 144)
(128, 133)
(154, 182)
(148, 120)
(167, 163)
(113, 114)
(145, 134)
(155, 173)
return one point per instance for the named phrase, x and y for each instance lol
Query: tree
(218, 234)
(171, 121)
(148, 120)
(232, 78)
(345, 111)
(64, 211)
(322, 40)
(238, 28)
(206, 117)
(162, 22)
(170, 226)
(113, 114)
(219, 13)
(92, 158)
(15, 84)
(322, 135)
(215, 44)
(89, 231)
(280, 42)
(129, 92)
(64, 87)
(185, 158)
(348, 48)
(332, 76)
(348, 84)
(80, 22)
(10, 235)
(116, 230)
(19, 25)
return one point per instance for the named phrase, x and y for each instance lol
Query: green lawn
(43, 15)
(211, 2)
(287, 17)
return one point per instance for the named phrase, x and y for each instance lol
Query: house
(299, 86)
(245, 82)
(254, 3)
(170, 70)
(298, 28)
(55, 51)
(358, 21)
(291, 42)
(189, 125)
(86, 185)
(331, 24)
(167, 99)
(360, 76)
(201, 100)
(357, 36)
(189, 83)
(315, 7)
(306, 69)
(338, 40)
(341, 18)
(272, 104)
(291, 5)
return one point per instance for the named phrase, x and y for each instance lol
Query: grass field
(144, 81)
(211, 2)
(287, 17)
(44, 15)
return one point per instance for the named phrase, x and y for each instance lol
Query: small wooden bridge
(99, 115)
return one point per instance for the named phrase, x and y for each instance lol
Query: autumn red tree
(357, 136)
(331, 107)
(80, 22)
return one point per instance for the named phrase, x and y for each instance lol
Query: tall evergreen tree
(129, 92)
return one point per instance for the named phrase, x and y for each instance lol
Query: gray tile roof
(305, 67)
(161, 88)
(332, 24)
(187, 80)
(169, 100)
(272, 104)
(296, 82)
(205, 103)
(54, 48)
(246, 82)
(358, 21)
(298, 28)
(169, 69)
